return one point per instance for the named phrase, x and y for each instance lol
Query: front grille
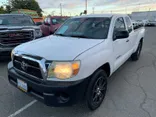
(14, 38)
(31, 67)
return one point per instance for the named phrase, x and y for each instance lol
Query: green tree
(27, 4)
(8, 9)
(2, 10)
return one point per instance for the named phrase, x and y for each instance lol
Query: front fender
(95, 58)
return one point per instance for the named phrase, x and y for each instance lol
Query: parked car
(74, 64)
(145, 22)
(16, 29)
(151, 23)
(51, 24)
(137, 24)
(140, 22)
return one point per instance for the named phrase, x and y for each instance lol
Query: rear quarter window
(129, 24)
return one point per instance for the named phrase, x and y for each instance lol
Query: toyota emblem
(24, 66)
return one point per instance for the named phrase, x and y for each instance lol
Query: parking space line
(22, 109)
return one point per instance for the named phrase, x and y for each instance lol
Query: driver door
(120, 45)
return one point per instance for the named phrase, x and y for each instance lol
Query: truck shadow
(116, 96)
(81, 110)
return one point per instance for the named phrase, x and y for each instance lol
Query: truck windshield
(93, 28)
(15, 20)
(58, 20)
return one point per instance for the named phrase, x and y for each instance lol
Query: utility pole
(53, 13)
(86, 6)
(126, 9)
(93, 10)
(149, 13)
(60, 9)
(139, 7)
(70, 14)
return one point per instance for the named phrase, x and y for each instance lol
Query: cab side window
(129, 24)
(48, 20)
(119, 26)
(45, 20)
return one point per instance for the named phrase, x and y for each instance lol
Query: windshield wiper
(79, 36)
(60, 34)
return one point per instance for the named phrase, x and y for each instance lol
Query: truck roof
(59, 16)
(13, 14)
(102, 15)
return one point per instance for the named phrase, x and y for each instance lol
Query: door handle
(127, 41)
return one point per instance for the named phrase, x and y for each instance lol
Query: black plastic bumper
(51, 93)
(5, 52)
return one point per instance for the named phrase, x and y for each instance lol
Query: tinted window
(94, 28)
(58, 20)
(16, 20)
(129, 25)
(47, 20)
(120, 24)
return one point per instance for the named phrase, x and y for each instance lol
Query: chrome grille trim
(42, 63)
(24, 73)
(5, 40)
(28, 65)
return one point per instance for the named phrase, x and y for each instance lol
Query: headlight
(38, 33)
(63, 70)
(12, 54)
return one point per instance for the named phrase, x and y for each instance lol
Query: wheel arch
(107, 68)
(142, 39)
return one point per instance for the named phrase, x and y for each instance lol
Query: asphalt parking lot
(131, 91)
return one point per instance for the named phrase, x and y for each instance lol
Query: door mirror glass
(121, 34)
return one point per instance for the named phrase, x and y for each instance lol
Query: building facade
(146, 15)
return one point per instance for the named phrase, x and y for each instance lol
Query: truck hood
(57, 47)
(18, 27)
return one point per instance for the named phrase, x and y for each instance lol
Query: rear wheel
(96, 90)
(135, 56)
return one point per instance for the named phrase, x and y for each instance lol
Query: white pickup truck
(73, 64)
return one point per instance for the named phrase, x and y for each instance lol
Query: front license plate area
(22, 85)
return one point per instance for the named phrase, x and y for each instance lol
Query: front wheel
(96, 90)
(135, 56)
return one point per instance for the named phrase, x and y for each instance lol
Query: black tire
(135, 56)
(96, 90)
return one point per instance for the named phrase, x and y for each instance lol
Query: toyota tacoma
(74, 64)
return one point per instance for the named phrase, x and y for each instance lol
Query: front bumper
(51, 93)
(5, 51)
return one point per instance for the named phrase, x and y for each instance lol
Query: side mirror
(45, 23)
(38, 23)
(121, 34)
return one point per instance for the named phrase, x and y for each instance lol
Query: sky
(74, 7)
